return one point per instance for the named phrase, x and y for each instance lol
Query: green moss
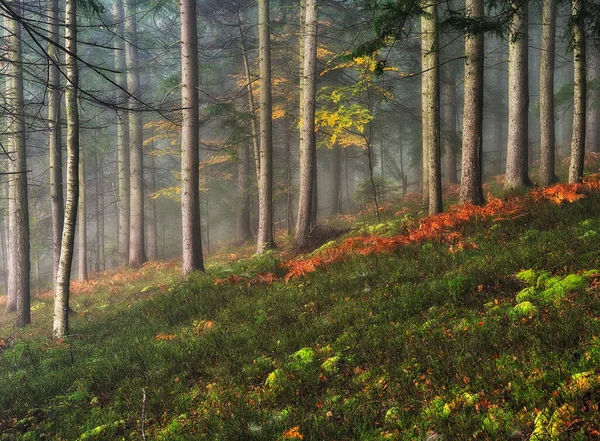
(528, 276)
(523, 310)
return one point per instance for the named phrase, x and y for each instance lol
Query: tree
(190, 198)
(61, 285)
(82, 221)
(593, 104)
(265, 240)
(579, 91)
(431, 150)
(137, 242)
(471, 184)
(55, 138)
(547, 129)
(307, 125)
(518, 99)
(19, 269)
(122, 135)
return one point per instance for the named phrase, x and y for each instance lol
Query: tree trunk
(243, 205)
(471, 183)
(424, 111)
(336, 180)
(518, 101)
(82, 221)
(432, 107)
(152, 235)
(307, 126)
(61, 285)
(547, 129)
(450, 135)
(579, 91)
(190, 140)
(20, 264)
(593, 105)
(97, 183)
(54, 137)
(122, 136)
(265, 240)
(137, 242)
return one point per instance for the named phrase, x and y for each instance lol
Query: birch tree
(579, 91)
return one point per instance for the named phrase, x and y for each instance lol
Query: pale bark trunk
(336, 180)
(82, 221)
(547, 129)
(19, 226)
(265, 240)
(307, 125)
(97, 184)
(102, 254)
(579, 91)
(432, 103)
(54, 137)
(424, 112)
(593, 105)
(243, 205)
(251, 106)
(518, 101)
(61, 285)
(471, 183)
(122, 136)
(137, 241)
(190, 140)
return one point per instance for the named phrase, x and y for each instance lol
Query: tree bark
(20, 264)
(518, 100)
(82, 221)
(450, 135)
(336, 180)
(61, 285)
(424, 111)
(152, 235)
(54, 137)
(471, 183)
(122, 136)
(547, 129)
(265, 240)
(593, 104)
(190, 141)
(579, 92)
(243, 205)
(137, 241)
(432, 108)
(307, 126)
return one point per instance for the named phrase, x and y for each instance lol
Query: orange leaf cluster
(163, 337)
(293, 433)
(560, 193)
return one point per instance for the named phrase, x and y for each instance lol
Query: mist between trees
(135, 131)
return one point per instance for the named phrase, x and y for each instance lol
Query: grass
(406, 345)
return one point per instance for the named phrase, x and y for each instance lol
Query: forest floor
(479, 323)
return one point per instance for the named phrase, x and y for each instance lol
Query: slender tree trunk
(251, 106)
(137, 241)
(190, 140)
(102, 254)
(61, 285)
(579, 92)
(471, 187)
(243, 205)
(152, 235)
(424, 110)
(82, 220)
(518, 101)
(265, 240)
(336, 180)
(289, 217)
(432, 102)
(122, 136)
(450, 135)
(19, 226)
(54, 137)
(307, 125)
(593, 104)
(97, 184)
(547, 129)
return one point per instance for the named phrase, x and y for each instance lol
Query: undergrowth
(493, 334)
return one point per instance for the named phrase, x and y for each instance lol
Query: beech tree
(190, 198)
(579, 91)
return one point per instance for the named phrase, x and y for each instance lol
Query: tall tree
(82, 221)
(190, 141)
(55, 129)
(579, 91)
(432, 107)
(518, 98)
(471, 184)
(424, 113)
(19, 269)
(593, 104)
(265, 240)
(307, 125)
(137, 242)
(547, 129)
(61, 284)
(122, 135)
